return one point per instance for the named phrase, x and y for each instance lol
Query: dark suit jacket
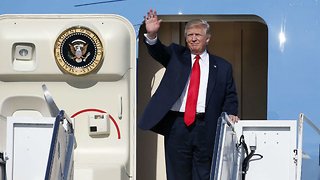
(221, 92)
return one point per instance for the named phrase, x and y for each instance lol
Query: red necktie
(193, 91)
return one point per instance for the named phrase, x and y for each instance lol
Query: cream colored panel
(40, 32)
(110, 90)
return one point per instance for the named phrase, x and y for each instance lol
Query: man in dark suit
(195, 89)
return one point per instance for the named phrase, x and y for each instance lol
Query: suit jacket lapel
(186, 63)
(213, 69)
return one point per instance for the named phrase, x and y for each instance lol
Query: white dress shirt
(180, 104)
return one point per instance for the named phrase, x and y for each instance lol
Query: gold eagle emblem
(78, 49)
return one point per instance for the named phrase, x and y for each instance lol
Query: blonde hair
(197, 22)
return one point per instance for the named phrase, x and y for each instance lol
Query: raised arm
(152, 23)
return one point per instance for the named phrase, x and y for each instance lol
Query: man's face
(197, 39)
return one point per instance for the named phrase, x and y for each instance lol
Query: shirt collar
(202, 55)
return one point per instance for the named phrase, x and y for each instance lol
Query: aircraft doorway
(242, 40)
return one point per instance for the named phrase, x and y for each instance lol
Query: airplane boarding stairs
(39, 148)
(246, 150)
(264, 150)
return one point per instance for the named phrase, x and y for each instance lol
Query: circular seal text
(78, 51)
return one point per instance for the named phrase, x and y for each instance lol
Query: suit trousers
(186, 149)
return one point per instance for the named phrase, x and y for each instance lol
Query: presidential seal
(78, 51)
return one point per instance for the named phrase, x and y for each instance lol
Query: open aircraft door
(88, 62)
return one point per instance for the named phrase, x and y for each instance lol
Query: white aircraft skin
(293, 50)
